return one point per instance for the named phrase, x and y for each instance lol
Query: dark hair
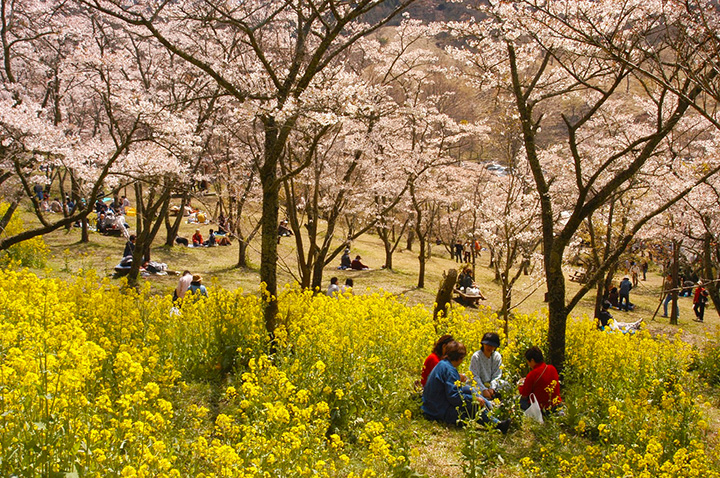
(333, 280)
(534, 353)
(606, 304)
(132, 237)
(441, 343)
(455, 351)
(349, 282)
(492, 339)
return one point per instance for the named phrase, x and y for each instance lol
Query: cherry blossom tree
(509, 220)
(615, 122)
(59, 117)
(266, 54)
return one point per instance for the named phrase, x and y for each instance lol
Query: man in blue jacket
(445, 399)
(625, 287)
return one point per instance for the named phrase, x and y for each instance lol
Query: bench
(468, 299)
(578, 276)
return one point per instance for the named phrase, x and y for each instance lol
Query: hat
(197, 278)
(492, 339)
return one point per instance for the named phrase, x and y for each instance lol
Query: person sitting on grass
(223, 240)
(542, 380)
(196, 287)
(197, 239)
(183, 285)
(614, 297)
(348, 287)
(358, 265)
(129, 246)
(333, 288)
(445, 401)
(604, 316)
(486, 367)
(605, 321)
(223, 225)
(345, 262)
(211, 240)
(434, 358)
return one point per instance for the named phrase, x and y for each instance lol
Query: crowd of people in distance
(700, 296)
(450, 397)
(214, 239)
(463, 252)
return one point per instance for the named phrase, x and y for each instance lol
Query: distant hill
(429, 10)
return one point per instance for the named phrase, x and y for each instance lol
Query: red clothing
(429, 364)
(197, 238)
(698, 291)
(542, 378)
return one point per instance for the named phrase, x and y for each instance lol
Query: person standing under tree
(699, 301)
(624, 294)
(635, 273)
(458, 251)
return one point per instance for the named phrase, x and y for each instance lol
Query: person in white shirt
(486, 367)
(333, 288)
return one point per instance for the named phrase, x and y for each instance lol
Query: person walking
(702, 301)
(668, 297)
(635, 273)
(698, 305)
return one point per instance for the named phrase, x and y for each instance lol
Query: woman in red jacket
(542, 380)
(435, 356)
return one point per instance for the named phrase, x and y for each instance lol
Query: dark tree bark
(444, 295)
(675, 282)
(709, 271)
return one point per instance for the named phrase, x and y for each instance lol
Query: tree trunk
(8, 215)
(675, 280)
(444, 295)
(505, 309)
(172, 229)
(388, 258)
(242, 253)
(152, 211)
(410, 240)
(557, 315)
(270, 207)
(709, 272)
(421, 258)
(603, 288)
(84, 233)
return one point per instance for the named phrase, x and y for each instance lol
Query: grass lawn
(217, 266)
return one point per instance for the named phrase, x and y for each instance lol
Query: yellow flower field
(96, 381)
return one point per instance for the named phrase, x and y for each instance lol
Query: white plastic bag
(533, 410)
